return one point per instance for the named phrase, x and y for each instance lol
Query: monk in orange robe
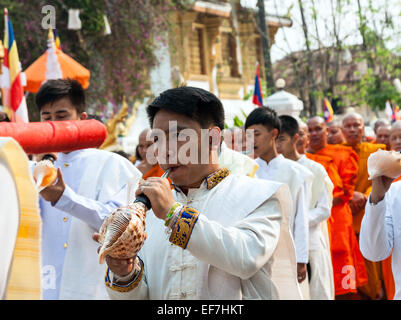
(334, 133)
(353, 130)
(377, 125)
(344, 246)
(383, 136)
(395, 136)
(155, 171)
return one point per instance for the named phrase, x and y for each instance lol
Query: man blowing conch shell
(216, 235)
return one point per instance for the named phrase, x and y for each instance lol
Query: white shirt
(229, 253)
(95, 186)
(320, 201)
(380, 233)
(297, 178)
(237, 162)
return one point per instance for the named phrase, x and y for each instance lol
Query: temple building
(214, 45)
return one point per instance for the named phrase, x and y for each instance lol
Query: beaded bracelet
(174, 218)
(171, 212)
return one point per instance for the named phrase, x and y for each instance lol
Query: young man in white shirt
(91, 183)
(236, 237)
(273, 166)
(321, 282)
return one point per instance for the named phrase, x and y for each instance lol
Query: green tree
(119, 62)
(384, 65)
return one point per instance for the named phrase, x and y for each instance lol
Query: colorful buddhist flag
(55, 39)
(257, 92)
(394, 114)
(389, 110)
(397, 113)
(328, 112)
(11, 82)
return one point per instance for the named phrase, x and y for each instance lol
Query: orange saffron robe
(341, 165)
(364, 185)
(156, 171)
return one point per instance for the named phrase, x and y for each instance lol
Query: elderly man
(353, 130)
(383, 135)
(148, 169)
(379, 123)
(303, 138)
(395, 136)
(334, 134)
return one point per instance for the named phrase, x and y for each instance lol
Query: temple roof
(224, 9)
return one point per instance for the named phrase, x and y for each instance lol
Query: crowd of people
(280, 209)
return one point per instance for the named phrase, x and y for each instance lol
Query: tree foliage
(329, 36)
(119, 62)
(376, 86)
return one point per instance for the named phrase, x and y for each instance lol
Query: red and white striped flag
(11, 81)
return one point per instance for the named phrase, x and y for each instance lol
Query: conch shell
(384, 163)
(44, 174)
(122, 233)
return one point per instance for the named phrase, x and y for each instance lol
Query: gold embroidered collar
(212, 180)
(215, 178)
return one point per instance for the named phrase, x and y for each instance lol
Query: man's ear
(275, 133)
(295, 138)
(83, 116)
(214, 137)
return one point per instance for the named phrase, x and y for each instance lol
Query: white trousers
(321, 286)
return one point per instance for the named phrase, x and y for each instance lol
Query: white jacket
(240, 247)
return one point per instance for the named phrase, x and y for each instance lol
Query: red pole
(55, 136)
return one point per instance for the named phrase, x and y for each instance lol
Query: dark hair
(288, 125)
(264, 116)
(137, 155)
(122, 153)
(54, 90)
(195, 103)
(94, 116)
(4, 117)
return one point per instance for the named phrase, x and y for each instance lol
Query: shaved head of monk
(353, 128)
(144, 142)
(383, 135)
(303, 139)
(335, 134)
(395, 136)
(317, 134)
(379, 123)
